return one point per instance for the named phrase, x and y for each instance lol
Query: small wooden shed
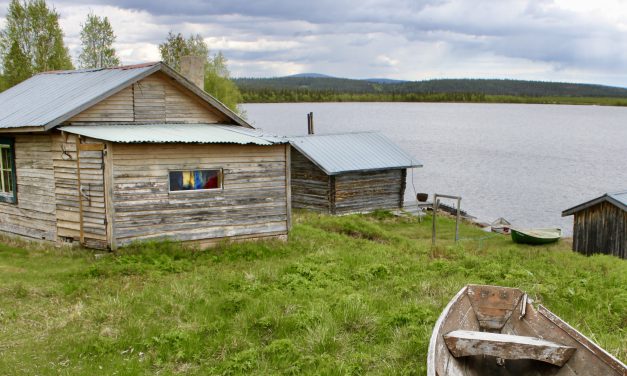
(105, 157)
(600, 225)
(348, 173)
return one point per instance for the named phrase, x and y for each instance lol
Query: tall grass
(345, 295)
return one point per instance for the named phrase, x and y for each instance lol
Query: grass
(345, 295)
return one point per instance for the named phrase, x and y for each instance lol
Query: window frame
(189, 191)
(8, 197)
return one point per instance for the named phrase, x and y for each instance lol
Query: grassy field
(345, 296)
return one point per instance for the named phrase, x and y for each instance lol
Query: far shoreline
(435, 98)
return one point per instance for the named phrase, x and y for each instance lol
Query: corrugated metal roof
(168, 133)
(346, 152)
(619, 199)
(45, 97)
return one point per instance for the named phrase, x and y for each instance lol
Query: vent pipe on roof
(310, 124)
(193, 68)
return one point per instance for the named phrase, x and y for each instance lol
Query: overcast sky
(551, 40)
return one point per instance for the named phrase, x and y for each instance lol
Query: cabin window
(7, 171)
(195, 180)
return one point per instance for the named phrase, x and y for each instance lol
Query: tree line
(319, 88)
(32, 42)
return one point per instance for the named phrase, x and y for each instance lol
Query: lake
(525, 163)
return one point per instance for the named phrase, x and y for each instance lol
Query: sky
(548, 40)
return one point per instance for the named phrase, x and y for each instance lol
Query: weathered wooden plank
(505, 346)
(493, 306)
(208, 233)
(34, 213)
(118, 107)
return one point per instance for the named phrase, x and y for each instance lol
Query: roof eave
(25, 129)
(371, 169)
(594, 202)
(156, 67)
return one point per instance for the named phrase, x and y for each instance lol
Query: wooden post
(80, 196)
(288, 184)
(435, 209)
(108, 195)
(436, 203)
(459, 199)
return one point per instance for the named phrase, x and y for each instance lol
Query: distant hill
(310, 75)
(383, 80)
(312, 82)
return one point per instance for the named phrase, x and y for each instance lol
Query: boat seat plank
(507, 346)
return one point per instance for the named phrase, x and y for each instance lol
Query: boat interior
(496, 331)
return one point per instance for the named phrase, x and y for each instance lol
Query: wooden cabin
(106, 157)
(348, 173)
(600, 225)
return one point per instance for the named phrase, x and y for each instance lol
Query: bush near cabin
(345, 295)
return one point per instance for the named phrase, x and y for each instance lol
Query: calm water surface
(526, 163)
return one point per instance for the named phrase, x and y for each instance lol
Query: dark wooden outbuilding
(348, 173)
(601, 225)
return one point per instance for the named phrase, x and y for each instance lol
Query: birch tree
(217, 76)
(97, 38)
(31, 41)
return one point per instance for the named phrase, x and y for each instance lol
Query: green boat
(536, 236)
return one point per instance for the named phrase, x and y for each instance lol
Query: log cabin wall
(252, 203)
(360, 192)
(154, 99)
(601, 228)
(34, 214)
(311, 187)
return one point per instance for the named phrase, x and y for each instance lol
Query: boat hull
(508, 312)
(528, 237)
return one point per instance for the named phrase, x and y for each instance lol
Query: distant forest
(330, 89)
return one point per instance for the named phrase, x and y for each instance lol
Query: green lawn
(347, 295)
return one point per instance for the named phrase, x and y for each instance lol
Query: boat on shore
(536, 236)
(501, 226)
(496, 331)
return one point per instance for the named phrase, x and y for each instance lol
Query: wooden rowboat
(501, 226)
(495, 331)
(536, 236)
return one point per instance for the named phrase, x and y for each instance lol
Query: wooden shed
(105, 157)
(600, 225)
(348, 173)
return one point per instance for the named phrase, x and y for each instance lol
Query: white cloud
(558, 40)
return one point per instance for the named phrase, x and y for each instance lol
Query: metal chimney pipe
(310, 123)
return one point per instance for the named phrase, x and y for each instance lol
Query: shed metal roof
(47, 99)
(350, 152)
(619, 199)
(169, 133)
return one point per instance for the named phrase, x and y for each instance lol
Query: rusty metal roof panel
(47, 97)
(174, 133)
(350, 152)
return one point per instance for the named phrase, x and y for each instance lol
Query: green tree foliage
(32, 41)
(97, 39)
(219, 83)
(217, 76)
